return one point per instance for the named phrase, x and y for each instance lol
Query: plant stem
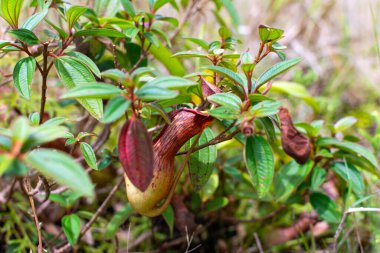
(218, 139)
(186, 15)
(143, 55)
(258, 56)
(25, 49)
(27, 188)
(44, 73)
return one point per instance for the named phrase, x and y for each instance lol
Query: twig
(5, 82)
(140, 239)
(102, 138)
(358, 237)
(115, 60)
(258, 243)
(86, 227)
(350, 210)
(189, 241)
(186, 16)
(28, 189)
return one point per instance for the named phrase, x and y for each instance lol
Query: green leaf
(226, 99)
(344, 123)
(114, 74)
(128, 7)
(133, 54)
(89, 155)
(173, 21)
(224, 32)
(268, 34)
(65, 199)
(115, 108)
(281, 55)
(118, 219)
(151, 38)
(289, 178)
(276, 70)
(296, 90)
(73, 14)
(5, 141)
(20, 130)
(44, 133)
(5, 161)
(10, 11)
(71, 227)
(325, 207)
(224, 112)
(268, 126)
(351, 175)
(157, 31)
(93, 90)
(170, 82)
(155, 93)
(228, 73)
(122, 23)
(159, 3)
(61, 32)
(34, 20)
(216, 204)
(4, 43)
(73, 73)
(54, 122)
(169, 218)
(107, 8)
(172, 64)
(318, 178)
(100, 32)
(131, 32)
(190, 54)
(259, 160)
(232, 11)
(202, 43)
(349, 147)
(23, 75)
(231, 56)
(25, 36)
(210, 187)
(265, 108)
(62, 168)
(35, 118)
(254, 98)
(202, 162)
(85, 60)
(158, 108)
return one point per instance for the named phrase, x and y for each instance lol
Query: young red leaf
(136, 153)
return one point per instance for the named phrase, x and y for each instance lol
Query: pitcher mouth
(204, 118)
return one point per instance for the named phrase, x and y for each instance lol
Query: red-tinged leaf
(208, 88)
(136, 153)
(294, 143)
